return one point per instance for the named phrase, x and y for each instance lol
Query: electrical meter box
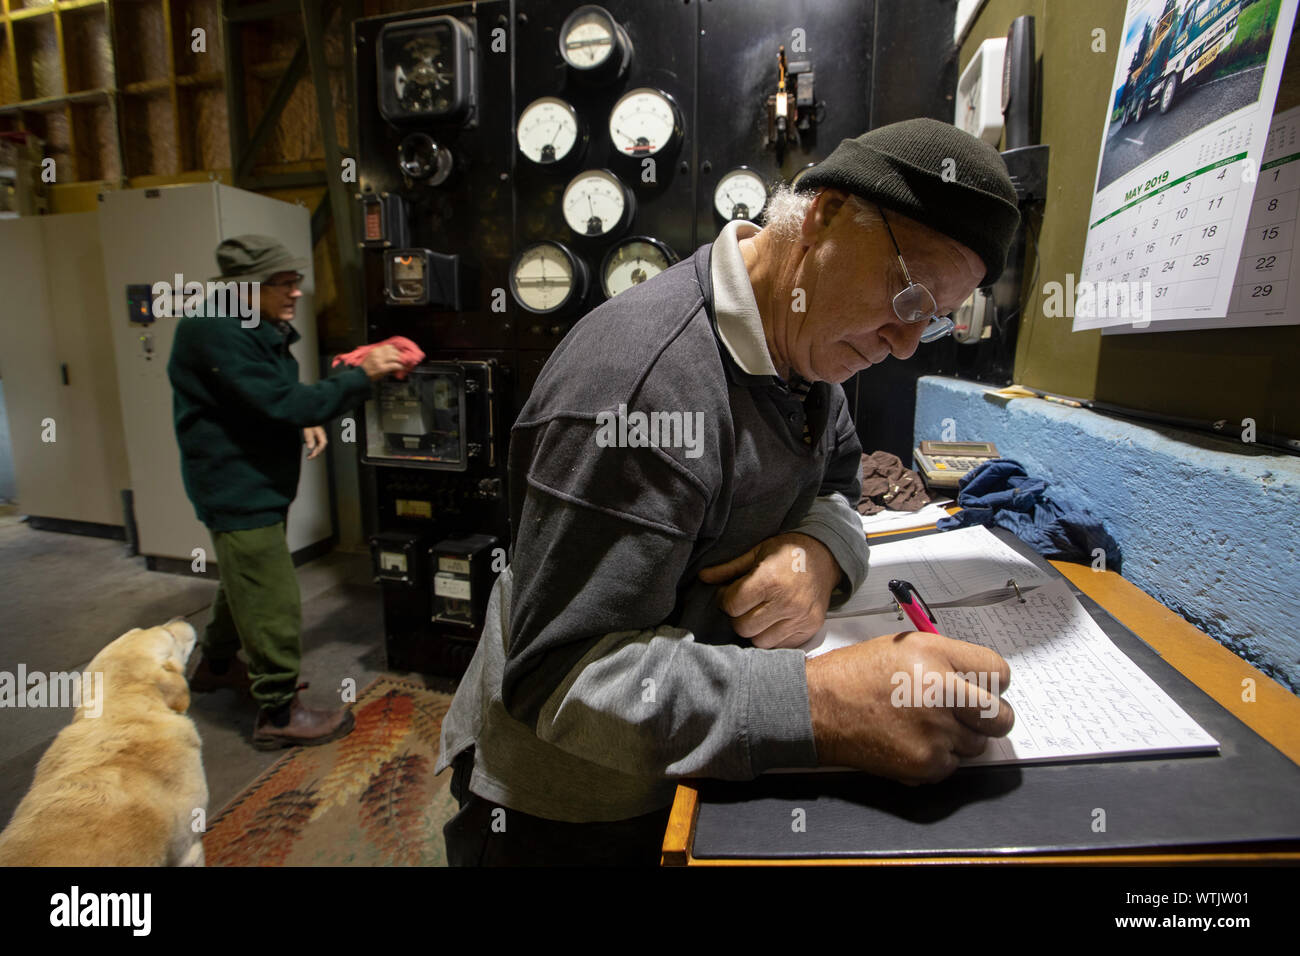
(440, 416)
(462, 579)
(398, 557)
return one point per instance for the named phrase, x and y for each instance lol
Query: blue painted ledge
(1208, 527)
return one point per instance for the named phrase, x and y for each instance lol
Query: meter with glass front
(597, 204)
(632, 262)
(594, 44)
(547, 277)
(740, 194)
(644, 122)
(427, 71)
(419, 420)
(550, 131)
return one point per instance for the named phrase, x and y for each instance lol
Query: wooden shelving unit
(118, 92)
(115, 88)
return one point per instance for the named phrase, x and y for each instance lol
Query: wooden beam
(236, 114)
(48, 104)
(263, 11)
(27, 13)
(114, 98)
(352, 11)
(279, 99)
(73, 159)
(170, 40)
(321, 217)
(315, 16)
(308, 177)
(13, 54)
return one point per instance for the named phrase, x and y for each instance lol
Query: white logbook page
(1075, 695)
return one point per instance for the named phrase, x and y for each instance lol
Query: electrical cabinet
(59, 371)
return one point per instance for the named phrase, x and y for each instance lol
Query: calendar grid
(1194, 210)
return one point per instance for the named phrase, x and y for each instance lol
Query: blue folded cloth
(1000, 492)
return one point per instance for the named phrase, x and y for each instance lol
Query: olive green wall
(1217, 374)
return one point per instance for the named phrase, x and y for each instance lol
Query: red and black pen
(913, 605)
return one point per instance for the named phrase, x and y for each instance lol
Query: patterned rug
(369, 799)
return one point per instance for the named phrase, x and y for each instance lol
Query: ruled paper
(1074, 693)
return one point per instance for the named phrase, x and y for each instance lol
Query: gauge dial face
(643, 122)
(632, 262)
(740, 194)
(588, 38)
(543, 277)
(595, 203)
(800, 175)
(547, 130)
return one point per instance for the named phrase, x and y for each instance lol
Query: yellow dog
(121, 784)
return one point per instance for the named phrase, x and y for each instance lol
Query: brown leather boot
(203, 679)
(303, 726)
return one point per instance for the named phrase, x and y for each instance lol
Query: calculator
(943, 463)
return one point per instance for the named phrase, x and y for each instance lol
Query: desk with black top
(1239, 805)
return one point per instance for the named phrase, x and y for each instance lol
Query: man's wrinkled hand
(381, 361)
(779, 591)
(315, 439)
(860, 719)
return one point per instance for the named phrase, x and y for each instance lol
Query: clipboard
(1245, 794)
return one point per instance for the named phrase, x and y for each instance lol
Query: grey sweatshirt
(605, 669)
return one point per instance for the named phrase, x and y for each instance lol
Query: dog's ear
(184, 638)
(175, 690)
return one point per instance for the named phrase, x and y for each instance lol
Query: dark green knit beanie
(903, 167)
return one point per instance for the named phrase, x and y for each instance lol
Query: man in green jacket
(241, 419)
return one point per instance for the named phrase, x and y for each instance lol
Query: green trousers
(258, 607)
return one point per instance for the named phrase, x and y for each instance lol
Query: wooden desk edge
(1190, 651)
(681, 827)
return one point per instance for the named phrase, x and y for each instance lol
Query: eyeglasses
(292, 282)
(915, 303)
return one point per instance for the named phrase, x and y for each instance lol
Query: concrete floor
(65, 596)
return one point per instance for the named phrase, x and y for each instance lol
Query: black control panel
(520, 161)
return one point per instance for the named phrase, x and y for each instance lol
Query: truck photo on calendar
(1187, 64)
(1192, 96)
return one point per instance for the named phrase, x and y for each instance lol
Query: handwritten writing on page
(1074, 693)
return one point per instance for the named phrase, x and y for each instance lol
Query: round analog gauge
(591, 39)
(596, 203)
(421, 158)
(632, 262)
(644, 122)
(548, 130)
(546, 277)
(740, 194)
(794, 183)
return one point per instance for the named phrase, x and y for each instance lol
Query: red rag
(410, 354)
